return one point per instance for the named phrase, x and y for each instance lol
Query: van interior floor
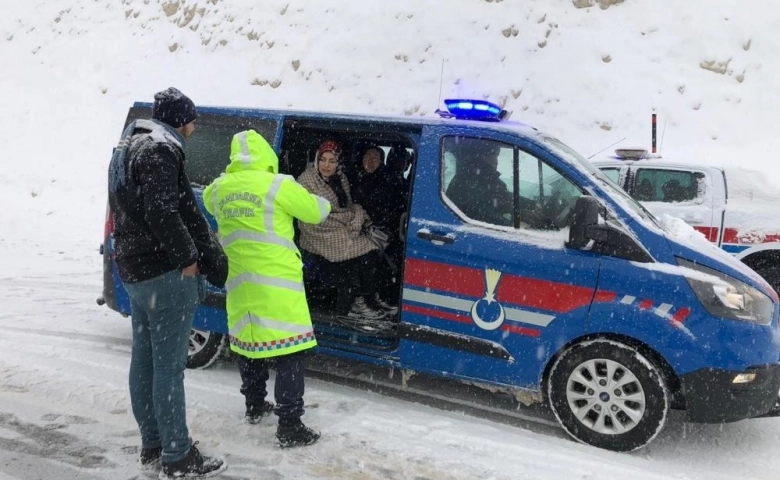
(340, 325)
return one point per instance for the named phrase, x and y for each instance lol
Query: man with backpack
(163, 245)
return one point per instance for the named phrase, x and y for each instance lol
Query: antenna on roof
(608, 146)
(441, 83)
(663, 132)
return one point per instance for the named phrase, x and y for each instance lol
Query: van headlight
(725, 296)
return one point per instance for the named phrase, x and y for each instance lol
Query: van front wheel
(607, 394)
(205, 348)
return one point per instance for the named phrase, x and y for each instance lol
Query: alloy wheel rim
(198, 340)
(605, 396)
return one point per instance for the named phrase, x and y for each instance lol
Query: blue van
(565, 290)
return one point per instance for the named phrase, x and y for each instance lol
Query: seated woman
(340, 240)
(384, 200)
(376, 191)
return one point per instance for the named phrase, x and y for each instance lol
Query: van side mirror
(608, 239)
(585, 214)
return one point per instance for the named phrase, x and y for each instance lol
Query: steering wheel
(556, 213)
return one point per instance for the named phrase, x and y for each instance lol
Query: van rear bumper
(712, 397)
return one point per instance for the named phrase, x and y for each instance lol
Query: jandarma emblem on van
(486, 312)
(461, 294)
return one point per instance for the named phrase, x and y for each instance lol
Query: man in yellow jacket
(268, 317)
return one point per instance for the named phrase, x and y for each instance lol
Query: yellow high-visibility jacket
(254, 207)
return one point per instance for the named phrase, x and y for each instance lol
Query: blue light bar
(467, 109)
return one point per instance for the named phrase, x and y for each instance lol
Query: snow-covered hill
(589, 71)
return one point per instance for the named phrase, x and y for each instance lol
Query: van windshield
(606, 183)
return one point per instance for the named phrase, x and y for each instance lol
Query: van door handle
(435, 238)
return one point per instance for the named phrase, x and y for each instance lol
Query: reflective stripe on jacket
(254, 207)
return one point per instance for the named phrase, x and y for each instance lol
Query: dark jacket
(381, 197)
(157, 224)
(478, 191)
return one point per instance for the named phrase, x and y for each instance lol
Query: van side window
(478, 178)
(669, 186)
(552, 195)
(612, 173)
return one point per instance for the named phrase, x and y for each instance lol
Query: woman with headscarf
(340, 240)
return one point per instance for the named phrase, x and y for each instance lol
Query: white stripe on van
(663, 310)
(462, 305)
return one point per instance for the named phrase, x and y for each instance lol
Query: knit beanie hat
(173, 107)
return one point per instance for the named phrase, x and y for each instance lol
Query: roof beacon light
(466, 109)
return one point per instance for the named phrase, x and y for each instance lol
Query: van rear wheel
(205, 348)
(607, 394)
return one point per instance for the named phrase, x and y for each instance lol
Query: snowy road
(64, 413)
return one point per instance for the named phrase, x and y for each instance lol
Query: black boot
(256, 413)
(293, 433)
(150, 459)
(194, 465)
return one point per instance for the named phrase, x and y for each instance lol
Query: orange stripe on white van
(732, 235)
(710, 233)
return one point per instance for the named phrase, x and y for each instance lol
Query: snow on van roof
(506, 125)
(754, 186)
(753, 200)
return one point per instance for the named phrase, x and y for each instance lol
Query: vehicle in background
(574, 296)
(734, 208)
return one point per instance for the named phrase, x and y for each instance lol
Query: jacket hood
(250, 151)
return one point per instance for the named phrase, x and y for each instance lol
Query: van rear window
(208, 150)
(670, 186)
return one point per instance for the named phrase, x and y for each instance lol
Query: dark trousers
(288, 388)
(356, 277)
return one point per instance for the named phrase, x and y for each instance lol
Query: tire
(595, 410)
(205, 348)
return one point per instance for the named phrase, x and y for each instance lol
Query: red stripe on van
(645, 304)
(448, 278)
(541, 294)
(710, 233)
(527, 332)
(520, 291)
(603, 296)
(681, 314)
(731, 235)
(429, 312)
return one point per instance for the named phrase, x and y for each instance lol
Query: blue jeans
(162, 311)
